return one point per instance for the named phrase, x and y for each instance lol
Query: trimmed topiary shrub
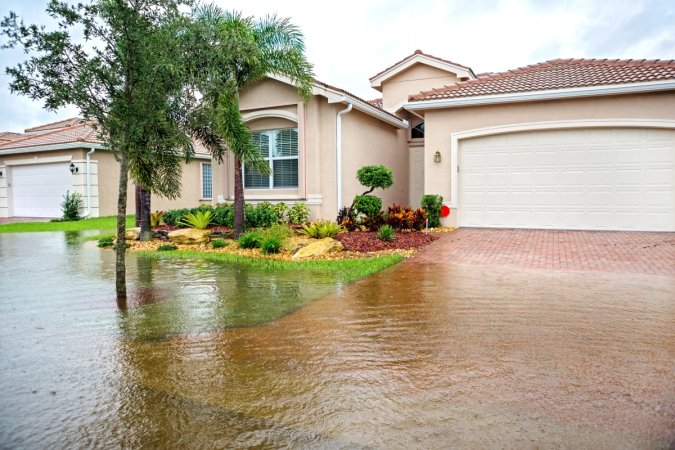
(432, 204)
(368, 205)
(375, 177)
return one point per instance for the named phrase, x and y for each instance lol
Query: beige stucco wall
(417, 78)
(440, 124)
(368, 141)
(109, 182)
(268, 93)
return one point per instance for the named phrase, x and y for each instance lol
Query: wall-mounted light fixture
(73, 169)
(437, 157)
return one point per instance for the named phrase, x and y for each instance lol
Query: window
(207, 181)
(417, 132)
(280, 148)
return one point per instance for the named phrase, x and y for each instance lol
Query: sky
(349, 41)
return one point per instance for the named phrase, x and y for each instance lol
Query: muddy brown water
(416, 356)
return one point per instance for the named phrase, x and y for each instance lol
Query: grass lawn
(345, 270)
(97, 223)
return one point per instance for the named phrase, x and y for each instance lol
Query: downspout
(88, 212)
(338, 151)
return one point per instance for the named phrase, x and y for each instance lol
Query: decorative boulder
(132, 234)
(190, 236)
(319, 248)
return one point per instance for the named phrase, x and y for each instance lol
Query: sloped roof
(73, 130)
(377, 102)
(556, 74)
(413, 55)
(7, 136)
(349, 94)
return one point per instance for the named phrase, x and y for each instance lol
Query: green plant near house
(156, 218)
(281, 209)
(71, 206)
(280, 230)
(106, 241)
(251, 239)
(375, 177)
(198, 220)
(386, 233)
(223, 215)
(368, 205)
(298, 214)
(271, 244)
(432, 204)
(166, 248)
(321, 229)
(218, 243)
(261, 216)
(173, 217)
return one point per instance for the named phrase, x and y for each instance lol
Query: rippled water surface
(416, 356)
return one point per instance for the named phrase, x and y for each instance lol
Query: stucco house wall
(419, 77)
(442, 123)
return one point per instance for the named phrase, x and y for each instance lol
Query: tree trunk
(120, 247)
(146, 229)
(137, 190)
(239, 211)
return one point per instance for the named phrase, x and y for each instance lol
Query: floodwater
(417, 356)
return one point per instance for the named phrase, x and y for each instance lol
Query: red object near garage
(445, 211)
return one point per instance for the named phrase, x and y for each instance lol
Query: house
(564, 144)
(39, 166)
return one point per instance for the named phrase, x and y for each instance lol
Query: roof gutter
(552, 94)
(338, 150)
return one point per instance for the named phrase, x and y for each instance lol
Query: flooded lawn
(417, 356)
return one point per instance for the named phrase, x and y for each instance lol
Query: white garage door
(38, 189)
(594, 179)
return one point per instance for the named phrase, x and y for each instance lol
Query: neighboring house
(39, 166)
(565, 144)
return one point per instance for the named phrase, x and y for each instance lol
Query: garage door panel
(38, 189)
(577, 179)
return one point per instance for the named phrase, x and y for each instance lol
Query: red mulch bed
(367, 241)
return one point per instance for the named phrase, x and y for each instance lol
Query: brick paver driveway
(607, 251)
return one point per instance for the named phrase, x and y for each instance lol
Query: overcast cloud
(351, 40)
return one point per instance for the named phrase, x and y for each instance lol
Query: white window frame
(201, 177)
(271, 158)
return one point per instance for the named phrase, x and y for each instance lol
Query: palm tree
(232, 52)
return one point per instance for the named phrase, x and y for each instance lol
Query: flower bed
(367, 241)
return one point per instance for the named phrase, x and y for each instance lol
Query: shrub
(271, 244)
(198, 220)
(261, 216)
(368, 205)
(281, 209)
(71, 206)
(375, 177)
(166, 248)
(298, 214)
(156, 218)
(251, 239)
(175, 216)
(279, 230)
(346, 218)
(386, 233)
(405, 218)
(432, 204)
(374, 222)
(106, 241)
(321, 229)
(218, 243)
(223, 215)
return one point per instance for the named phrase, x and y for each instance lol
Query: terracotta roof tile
(556, 74)
(7, 136)
(418, 52)
(54, 125)
(82, 132)
(377, 102)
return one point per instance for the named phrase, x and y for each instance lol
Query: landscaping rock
(190, 236)
(319, 248)
(132, 234)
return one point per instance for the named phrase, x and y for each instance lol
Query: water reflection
(418, 356)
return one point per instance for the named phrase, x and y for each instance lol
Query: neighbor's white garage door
(595, 179)
(38, 189)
